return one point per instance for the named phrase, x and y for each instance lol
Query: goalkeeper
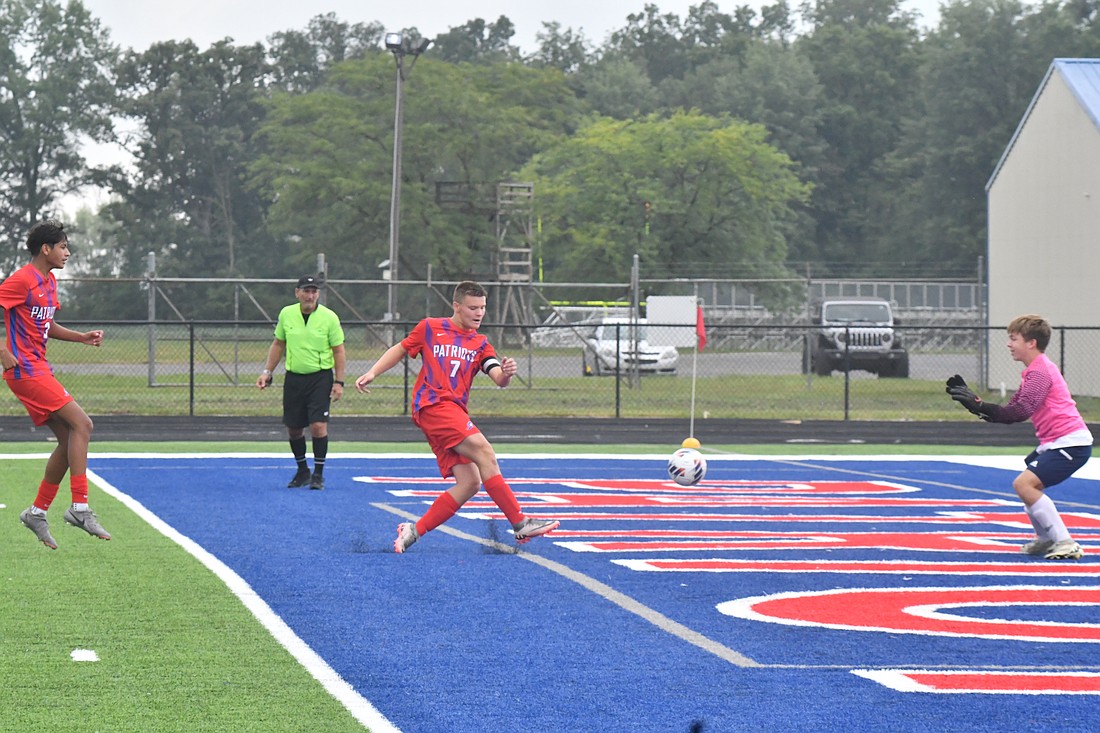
(1065, 443)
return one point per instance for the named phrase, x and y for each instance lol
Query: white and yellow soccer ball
(687, 467)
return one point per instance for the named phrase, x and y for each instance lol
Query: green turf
(178, 652)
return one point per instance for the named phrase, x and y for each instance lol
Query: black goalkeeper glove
(956, 381)
(972, 402)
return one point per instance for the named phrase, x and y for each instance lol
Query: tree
(326, 159)
(865, 54)
(56, 93)
(566, 50)
(693, 195)
(982, 67)
(301, 59)
(186, 198)
(768, 84)
(478, 42)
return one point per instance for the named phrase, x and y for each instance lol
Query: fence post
(618, 370)
(191, 359)
(847, 372)
(151, 282)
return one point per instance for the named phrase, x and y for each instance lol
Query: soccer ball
(687, 467)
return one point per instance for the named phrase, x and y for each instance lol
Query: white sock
(80, 507)
(36, 510)
(1046, 520)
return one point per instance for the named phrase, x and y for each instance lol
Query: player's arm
(7, 359)
(274, 356)
(91, 338)
(500, 371)
(339, 361)
(387, 361)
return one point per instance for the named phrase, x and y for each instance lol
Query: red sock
(79, 485)
(46, 494)
(501, 493)
(442, 509)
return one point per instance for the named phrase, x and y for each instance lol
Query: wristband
(266, 371)
(338, 381)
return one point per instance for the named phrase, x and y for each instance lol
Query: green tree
(56, 93)
(300, 59)
(693, 195)
(768, 84)
(566, 50)
(866, 55)
(327, 159)
(186, 198)
(478, 42)
(982, 66)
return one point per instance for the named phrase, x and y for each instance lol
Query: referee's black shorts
(306, 398)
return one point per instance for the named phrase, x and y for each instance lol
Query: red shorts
(42, 396)
(445, 424)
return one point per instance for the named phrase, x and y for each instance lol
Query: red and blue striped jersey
(29, 300)
(449, 359)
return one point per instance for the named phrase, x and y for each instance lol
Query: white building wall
(1044, 230)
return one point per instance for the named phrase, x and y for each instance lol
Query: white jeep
(854, 333)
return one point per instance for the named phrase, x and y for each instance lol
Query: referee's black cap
(310, 281)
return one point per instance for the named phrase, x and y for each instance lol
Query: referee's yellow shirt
(309, 345)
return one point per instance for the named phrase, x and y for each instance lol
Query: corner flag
(700, 328)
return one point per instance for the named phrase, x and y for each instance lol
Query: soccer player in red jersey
(28, 298)
(451, 352)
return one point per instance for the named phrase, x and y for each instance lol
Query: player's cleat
(1065, 550)
(37, 523)
(1037, 547)
(300, 479)
(317, 482)
(87, 521)
(406, 537)
(530, 528)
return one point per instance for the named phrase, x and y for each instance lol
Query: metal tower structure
(510, 205)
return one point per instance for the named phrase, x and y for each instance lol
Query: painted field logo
(929, 611)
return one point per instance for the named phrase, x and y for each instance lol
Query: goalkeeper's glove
(955, 381)
(972, 402)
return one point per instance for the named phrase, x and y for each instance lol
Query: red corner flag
(700, 328)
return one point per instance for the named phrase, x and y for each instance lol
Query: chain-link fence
(745, 371)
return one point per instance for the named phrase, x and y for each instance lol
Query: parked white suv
(855, 333)
(612, 342)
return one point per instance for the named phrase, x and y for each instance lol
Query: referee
(310, 336)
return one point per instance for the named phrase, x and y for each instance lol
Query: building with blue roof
(1044, 223)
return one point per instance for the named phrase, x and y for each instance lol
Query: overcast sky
(139, 23)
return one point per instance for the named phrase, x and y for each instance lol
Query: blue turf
(452, 636)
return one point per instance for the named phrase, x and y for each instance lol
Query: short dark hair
(469, 287)
(49, 231)
(1032, 327)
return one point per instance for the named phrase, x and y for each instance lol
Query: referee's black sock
(320, 451)
(298, 448)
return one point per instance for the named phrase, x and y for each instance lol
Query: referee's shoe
(300, 479)
(317, 482)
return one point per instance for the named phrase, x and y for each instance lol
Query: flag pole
(700, 344)
(694, 363)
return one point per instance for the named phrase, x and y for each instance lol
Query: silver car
(616, 344)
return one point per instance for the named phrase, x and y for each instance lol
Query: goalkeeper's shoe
(87, 521)
(1037, 547)
(529, 528)
(1065, 550)
(37, 523)
(406, 537)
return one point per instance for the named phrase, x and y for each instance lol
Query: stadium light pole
(396, 44)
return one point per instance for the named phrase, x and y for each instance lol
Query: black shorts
(1055, 466)
(306, 398)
